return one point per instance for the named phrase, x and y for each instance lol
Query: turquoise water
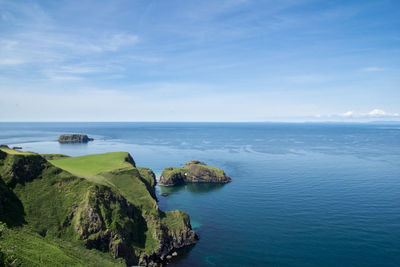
(302, 194)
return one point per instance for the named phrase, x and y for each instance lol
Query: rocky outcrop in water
(74, 138)
(193, 172)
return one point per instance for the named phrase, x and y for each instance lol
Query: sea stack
(74, 138)
(193, 171)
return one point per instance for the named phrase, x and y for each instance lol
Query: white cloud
(375, 113)
(347, 114)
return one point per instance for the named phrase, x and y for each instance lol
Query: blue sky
(237, 60)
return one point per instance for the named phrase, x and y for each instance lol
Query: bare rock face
(193, 172)
(95, 227)
(74, 138)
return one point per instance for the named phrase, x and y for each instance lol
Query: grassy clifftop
(102, 202)
(93, 164)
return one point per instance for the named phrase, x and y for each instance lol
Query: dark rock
(164, 194)
(4, 146)
(16, 147)
(74, 138)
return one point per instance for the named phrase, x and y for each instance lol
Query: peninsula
(193, 172)
(93, 210)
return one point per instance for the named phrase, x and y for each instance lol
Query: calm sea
(302, 194)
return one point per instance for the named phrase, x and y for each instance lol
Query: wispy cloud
(307, 78)
(37, 38)
(372, 69)
(11, 61)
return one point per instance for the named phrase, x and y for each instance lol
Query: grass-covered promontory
(94, 210)
(193, 172)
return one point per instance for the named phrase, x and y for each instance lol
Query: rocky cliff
(114, 212)
(193, 172)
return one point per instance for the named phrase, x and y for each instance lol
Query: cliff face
(114, 212)
(74, 138)
(193, 172)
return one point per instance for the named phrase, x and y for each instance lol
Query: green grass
(175, 220)
(89, 165)
(56, 200)
(115, 171)
(54, 156)
(147, 175)
(216, 170)
(16, 152)
(31, 249)
(129, 184)
(169, 171)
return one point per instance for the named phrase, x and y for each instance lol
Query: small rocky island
(193, 172)
(74, 138)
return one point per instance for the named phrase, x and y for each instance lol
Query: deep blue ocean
(303, 194)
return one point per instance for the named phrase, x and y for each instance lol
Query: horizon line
(346, 122)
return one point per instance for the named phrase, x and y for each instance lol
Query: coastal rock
(193, 172)
(74, 138)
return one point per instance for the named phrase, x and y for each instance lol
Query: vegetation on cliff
(84, 211)
(193, 172)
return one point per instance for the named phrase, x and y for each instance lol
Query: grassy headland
(103, 202)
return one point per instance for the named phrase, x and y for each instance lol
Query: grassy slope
(93, 164)
(112, 169)
(133, 183)
(48, 201)
(15, 152)
(31, 249)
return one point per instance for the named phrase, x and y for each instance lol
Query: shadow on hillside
(11, 209)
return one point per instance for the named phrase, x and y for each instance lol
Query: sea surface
(303, 194)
